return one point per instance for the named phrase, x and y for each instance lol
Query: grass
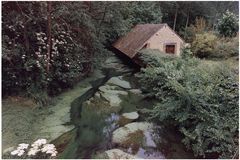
(232, 63)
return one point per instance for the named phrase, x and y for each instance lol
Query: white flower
(15, 152)
(20, 152)
(40, 142)
(54, 154)
(32, 151)
(48, 148)
(23, 146)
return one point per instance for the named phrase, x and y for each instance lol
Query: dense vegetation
(49, 46)
(199, 99)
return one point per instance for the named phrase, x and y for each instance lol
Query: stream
(100, 125)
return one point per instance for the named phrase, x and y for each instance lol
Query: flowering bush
(39, 149)
(228, 24)
(27, 65)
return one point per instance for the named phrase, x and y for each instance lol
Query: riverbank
(24, 122)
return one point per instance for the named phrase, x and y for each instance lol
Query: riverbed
(103, 117)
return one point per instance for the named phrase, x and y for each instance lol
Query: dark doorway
(170, 49)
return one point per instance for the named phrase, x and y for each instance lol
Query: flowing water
(93, 130)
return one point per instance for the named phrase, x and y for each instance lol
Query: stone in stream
(118, 81)
(119, 154)
(112, 90)
(135, 91)
(126, 118)
(131, 115)
(111, 94)
(97, 95)
(121, 134)
(113, 99)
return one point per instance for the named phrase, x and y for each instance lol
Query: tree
(228, 24)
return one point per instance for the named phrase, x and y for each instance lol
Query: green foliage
(226, 48)
(81, 32)
(201, 100)
(228, 24)
(203, 45)
(145, 12)
(186, 53)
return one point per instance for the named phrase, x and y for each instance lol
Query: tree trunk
(186, 25)
(101, 21)
(49, 36)
(175, 19)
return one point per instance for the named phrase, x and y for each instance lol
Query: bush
(228, 24)
(226, 48)
(25, 55)
(202, 101)
(203, 45)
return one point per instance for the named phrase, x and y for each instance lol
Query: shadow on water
(93, 130)
(88, 133)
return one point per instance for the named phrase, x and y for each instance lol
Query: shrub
(203, 45)
(200, 100)
(228, 25)
(186, 53)
(226, 48)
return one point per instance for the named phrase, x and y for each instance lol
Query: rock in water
(118, 81)
(126, 118)
(121, 134)
(135, 91)
(111, 94)
(113, 99)
(119, 154)
(112, 90)
(97, 95)
(131, 115)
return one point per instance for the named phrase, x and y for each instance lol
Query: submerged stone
(113, 99)
(119, 154)
(97, 95)
(118, 81)
(112, 90)
(121, 134)
(135, 91)
(111, 94)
